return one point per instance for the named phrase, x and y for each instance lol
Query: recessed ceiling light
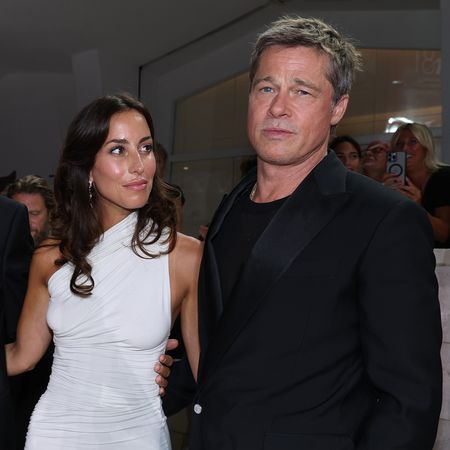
(397, 82)
(394, 122)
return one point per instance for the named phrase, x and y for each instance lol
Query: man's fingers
(162, 368)
(172, 344)
(161, 381)
(166, 360)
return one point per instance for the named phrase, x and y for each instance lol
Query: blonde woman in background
(427, 180)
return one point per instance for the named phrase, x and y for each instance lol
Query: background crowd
(425, 180)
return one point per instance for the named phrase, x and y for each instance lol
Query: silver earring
(91, 192)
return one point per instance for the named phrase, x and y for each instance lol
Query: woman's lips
(139, 185)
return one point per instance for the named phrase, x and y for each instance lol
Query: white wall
(36, 108)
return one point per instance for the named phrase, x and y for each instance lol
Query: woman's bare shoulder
(45, 257)
(48, 248)
(186, 257)
(188, 247)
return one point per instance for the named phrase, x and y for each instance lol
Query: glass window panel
(394, 84)
(204, 184)
(214, 119)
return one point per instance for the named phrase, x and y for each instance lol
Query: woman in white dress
(107, 287)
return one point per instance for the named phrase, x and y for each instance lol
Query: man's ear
(339, 109)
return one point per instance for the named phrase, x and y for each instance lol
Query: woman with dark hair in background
(348, 151)
(427, 180)
(109, 284)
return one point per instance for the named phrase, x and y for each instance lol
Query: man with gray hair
(318, 309)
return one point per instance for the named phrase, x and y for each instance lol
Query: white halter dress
(102, 392)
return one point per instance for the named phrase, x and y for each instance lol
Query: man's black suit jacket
(16, 247)
(332, 341)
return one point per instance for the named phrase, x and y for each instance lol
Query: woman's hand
(391, 180)
(409, 188)
(411, 191)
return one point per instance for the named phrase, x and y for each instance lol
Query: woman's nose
(136, 164)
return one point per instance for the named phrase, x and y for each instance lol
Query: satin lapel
(309, 209)
(209, 289)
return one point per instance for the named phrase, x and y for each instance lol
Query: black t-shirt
(436, 194)
(239, 232)
(437, 190)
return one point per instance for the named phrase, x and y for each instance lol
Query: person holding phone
(427, 180)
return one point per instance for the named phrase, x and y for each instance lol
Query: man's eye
(302, 92)
(267, 89)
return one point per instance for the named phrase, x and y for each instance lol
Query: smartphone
(396, 164)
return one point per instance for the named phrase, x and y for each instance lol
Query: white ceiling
(42, 35)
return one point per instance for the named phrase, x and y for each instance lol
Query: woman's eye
(117, 150)
(147, 148)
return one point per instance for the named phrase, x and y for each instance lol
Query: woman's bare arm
(33, 334)
(185, 264)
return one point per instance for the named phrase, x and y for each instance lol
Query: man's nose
(279, 106)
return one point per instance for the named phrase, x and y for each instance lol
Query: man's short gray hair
(290, 31)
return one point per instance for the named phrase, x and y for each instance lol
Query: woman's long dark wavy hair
(77, 223)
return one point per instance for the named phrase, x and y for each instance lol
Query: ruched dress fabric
(102, 392)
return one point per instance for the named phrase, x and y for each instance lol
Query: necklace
(253, 191)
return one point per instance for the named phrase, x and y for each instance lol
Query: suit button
(197, 408)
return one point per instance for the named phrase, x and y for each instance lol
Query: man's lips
(138, 185)
(277, 132)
